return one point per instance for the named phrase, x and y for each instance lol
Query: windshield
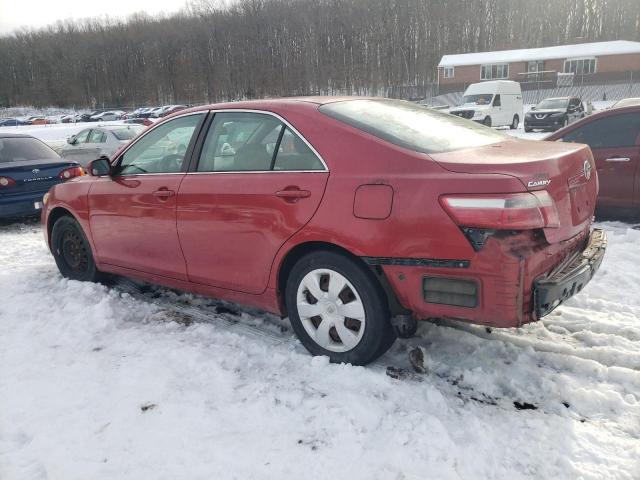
(412, 126)
(478, 99)
(24, 149)
(553, 103)
(127, 133)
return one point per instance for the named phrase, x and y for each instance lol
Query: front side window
(82, 136)
(256, 142)
(496, 71)
(97, 136)
(163, 149)
(611, 131)
(412, 126)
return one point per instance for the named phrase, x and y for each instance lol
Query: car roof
(15, 135)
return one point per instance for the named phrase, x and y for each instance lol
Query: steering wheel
(172, 163)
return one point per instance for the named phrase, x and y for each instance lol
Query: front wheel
(338, 309)
(72, 251)
(515, 122)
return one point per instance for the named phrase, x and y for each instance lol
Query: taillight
(72, 172)
(7, 182)
(511, 211)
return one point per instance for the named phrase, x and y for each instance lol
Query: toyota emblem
(35, 170)
(587, 169)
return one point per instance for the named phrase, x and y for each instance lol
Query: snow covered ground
(129, 382)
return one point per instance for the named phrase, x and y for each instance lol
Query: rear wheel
(515, 122)
(487, 121)
(72, 251)
(338, 309)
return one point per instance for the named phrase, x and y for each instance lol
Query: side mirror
(100, 167)
(533, 108)
(71, 140)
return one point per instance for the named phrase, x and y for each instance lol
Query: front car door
(133, 212)
(497, 113)
(256, 183)
(614, 142)
(74, 151)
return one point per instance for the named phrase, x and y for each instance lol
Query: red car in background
(346, 214)
(614, 138)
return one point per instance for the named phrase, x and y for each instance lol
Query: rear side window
(611, 131)
(254, 142)
(412, 126)
(24, 149)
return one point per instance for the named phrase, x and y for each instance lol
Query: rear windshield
(127, 133)
(412, 126)
(22, 149)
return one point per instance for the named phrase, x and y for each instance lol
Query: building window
(580, 66)
(494, 72)
(447, 72)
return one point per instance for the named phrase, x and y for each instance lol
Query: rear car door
(133, 212)
(256, 183)
(614, 142)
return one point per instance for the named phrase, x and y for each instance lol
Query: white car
(107, 116)
(91, 143)
(495, 104)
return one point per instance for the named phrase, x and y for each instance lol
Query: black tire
(378, 335)
(72, 251)
(515, 122)
(487, 121)
(528, 129)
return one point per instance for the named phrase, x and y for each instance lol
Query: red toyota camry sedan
(344, 214)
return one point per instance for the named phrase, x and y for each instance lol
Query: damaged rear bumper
(570, 277)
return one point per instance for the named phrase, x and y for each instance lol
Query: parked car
(554, 113)
(614, 138)
(28, 168)
(495, 104)
(91, 143)
(87, 116)
(626, 102)
(107, 116)
(170, 109)
(139, 121)
(38, 121)
(236, 201)
(12, 122)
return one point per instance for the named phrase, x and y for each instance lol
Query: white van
(496, 103)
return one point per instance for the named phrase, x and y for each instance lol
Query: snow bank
(123, 382)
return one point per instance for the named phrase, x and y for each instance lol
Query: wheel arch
(302, 249)
(54, 215)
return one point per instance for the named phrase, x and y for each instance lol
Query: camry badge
(587, 169)
(35, 170)
(538, 183)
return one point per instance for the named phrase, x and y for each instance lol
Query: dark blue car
(28, 169)
(12, 122)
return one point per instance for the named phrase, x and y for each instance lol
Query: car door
(614, 142)
(76, 150)
(92, 147)
(256, 183)
(497, 112)
(132, 213)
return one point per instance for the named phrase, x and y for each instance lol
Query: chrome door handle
(618, 159)
(163, 193)
(293, 194)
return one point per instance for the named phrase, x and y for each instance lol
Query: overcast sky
(38, 13)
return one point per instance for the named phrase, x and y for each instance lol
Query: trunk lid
(565, 170)
(32, 175)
